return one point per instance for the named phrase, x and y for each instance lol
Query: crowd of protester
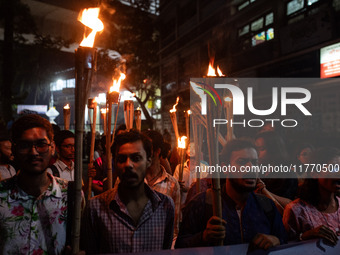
(152, 206)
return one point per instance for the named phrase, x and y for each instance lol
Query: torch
(85, 60)
(212, 136)
(111, 98)
(92, 104)
(128, 113)
(173, 117)
(187, 122)
(182, 152)
(229, 116)
(67, 115)
(103, 116)
(138, 119)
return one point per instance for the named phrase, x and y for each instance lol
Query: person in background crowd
(246, 216)
(6, 156)
(316, 213)
(132, 217)
(302, 155)
(33, 204)
(158, 179)
(64, 166)
(99, 167)
(56, 130)
(272, 152)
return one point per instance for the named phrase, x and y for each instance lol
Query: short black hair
(4, 135)
(156, 138)
(30, 121)
(61, 136)
(132, 136)
(234, 145)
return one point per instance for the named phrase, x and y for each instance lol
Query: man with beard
(6, 156)
(246, 217)
(131, 217)
(33, 204)
(64, 166)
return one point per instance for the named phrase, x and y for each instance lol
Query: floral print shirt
(31, 225)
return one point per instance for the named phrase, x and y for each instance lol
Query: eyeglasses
(26, 146)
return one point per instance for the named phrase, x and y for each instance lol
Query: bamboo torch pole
(67, 115)
(173, 117)
(103, 116)
(212, 138)
(138, 119)
(92, 104)
(111, 98)
(85, 62)
(128, 114)
(181, 148)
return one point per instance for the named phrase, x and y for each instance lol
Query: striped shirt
(108, 228)
(168, 185)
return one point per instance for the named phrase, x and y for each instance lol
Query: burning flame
(219, 72)
(174, 107)
(212, 72)
(103, 110)
(181, 142)
(89, 17)
(116, 83)
(67, 106)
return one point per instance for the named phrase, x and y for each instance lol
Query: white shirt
(64, 171)
(7, 172)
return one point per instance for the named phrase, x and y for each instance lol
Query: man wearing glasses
(33, 204)
(64, 166)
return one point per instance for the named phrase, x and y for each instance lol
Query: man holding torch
(247, 217)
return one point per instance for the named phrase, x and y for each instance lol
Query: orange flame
(67, 106)
(116, 83)
(211, 70)
(89, 17)
(181, 142)
(174, 107)
(219, 72)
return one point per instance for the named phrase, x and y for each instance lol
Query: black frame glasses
(26, 146)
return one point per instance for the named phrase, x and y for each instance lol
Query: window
(297, 5)
(257, 24)
(61, 84)
(258, 39)
(294, 6)
(257, 31)
(269, 19)
(243, 30)
(245, 4)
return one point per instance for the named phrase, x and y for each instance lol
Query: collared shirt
(64, 171)
(300, 216)
(30, 225)
(6, 172)
(239, 230)
(168, 185)
(108, 228)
